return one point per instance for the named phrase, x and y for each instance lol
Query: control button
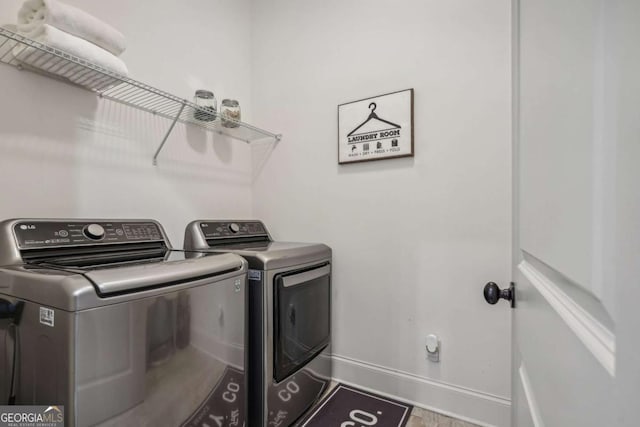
(63, 233)
(234, 227)
(94, 231)
(119, 232)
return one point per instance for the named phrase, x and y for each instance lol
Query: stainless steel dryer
(104, 318)
(289, 316)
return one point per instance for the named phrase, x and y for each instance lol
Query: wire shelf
(31, 55)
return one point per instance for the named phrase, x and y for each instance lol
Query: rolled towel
(35, 13)
(55, 38)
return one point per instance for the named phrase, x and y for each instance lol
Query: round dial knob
(94, 231)
(234, 227)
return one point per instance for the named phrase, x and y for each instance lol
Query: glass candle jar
(207, 101)
(230, 113)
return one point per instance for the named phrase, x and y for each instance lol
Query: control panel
(44, 234)
(229, 229)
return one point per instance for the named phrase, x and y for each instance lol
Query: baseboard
(465, 404)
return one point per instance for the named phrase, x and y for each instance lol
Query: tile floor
(423, 418)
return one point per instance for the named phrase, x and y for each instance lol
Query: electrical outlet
(432, 348)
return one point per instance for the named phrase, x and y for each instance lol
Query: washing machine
(289, 315)
(104, 322)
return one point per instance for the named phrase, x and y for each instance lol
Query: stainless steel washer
(289, 316)
(104, 318)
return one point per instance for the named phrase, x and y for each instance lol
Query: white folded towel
(35, 13)
(55, 38)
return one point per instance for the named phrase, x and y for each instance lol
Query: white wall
(414, 239)
(64, 153)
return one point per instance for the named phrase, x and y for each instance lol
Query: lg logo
(27, 227)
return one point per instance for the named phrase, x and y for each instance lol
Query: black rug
(348, 406)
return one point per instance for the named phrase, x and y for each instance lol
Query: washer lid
(117, 256)
(177, 267)
(75, 289)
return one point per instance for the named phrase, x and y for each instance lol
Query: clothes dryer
(289, 316)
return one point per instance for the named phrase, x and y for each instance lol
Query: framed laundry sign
(376, 128)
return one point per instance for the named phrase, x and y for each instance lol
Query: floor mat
(348, 406)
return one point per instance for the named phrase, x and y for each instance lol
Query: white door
(576, 330)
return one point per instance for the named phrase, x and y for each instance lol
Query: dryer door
(302, 318)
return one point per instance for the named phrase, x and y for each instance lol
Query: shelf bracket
(166, 135)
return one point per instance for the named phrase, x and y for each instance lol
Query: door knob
(492, 293)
